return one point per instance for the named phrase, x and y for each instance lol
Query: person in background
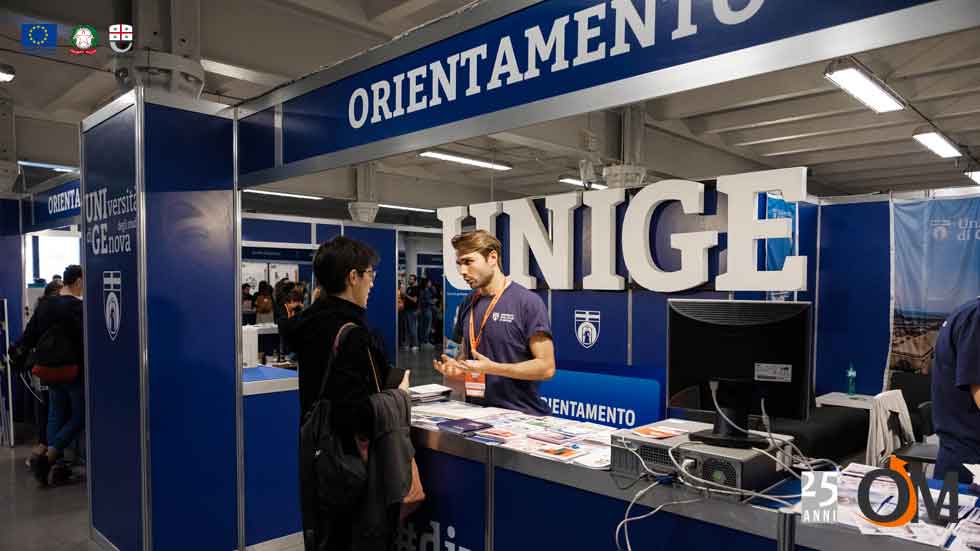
(284, 290)
(66, 403)
(56, 278)
(263, 309)
(360, 378)
(426, 299)
(264, 289)
(402, 316)
(956, 392)
(412, 313)
(513, 350)
(248, 302)
(41, 400)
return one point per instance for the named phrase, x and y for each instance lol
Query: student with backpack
(55, 337)
(357, 474)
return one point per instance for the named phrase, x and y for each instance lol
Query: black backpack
(330, 479)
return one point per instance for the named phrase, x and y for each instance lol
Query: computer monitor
(753, 350)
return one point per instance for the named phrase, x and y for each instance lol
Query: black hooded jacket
(311, 335)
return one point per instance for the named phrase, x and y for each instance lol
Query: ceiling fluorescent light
(399, 207)
(576, 182)
(463, 160)
(863, 87)
(938, 143)
(975, 175)
(49, 166)
(281, 194)
(7, 72)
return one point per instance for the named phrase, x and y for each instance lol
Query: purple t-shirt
(518, 315)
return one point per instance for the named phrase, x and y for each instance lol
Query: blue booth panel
(382, 311)
(257, 141)
(853, 314)
(589, 327)
(454, 511)
(271, 425)
(112, 343)
(12, 280)
(275, 231)
(545, 515)
(191, 327)
(326, 232)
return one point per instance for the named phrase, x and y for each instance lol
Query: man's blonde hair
(480, 241)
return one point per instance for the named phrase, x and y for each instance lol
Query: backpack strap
(337, 341)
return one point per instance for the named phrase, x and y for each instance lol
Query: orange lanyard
(475, 338)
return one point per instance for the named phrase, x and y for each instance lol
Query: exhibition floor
(39, 519)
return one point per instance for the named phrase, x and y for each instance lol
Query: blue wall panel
(808, 214)
(326, 232)
(257, 141)
(112, 372)
(568, 518)
(191, 328)
(853, 317)
(609, 346)
(454, 510)
(12, 276)
(271, 455)
(382, 313)
(276, 231)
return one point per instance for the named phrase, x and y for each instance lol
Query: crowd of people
(419, 313)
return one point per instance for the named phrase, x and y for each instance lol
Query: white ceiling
(788, 118)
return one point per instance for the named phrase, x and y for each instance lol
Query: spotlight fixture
(579, 183)
(453, 158)
(864, 86)
(281, 194)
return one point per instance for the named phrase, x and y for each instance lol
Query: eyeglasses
(372, 271)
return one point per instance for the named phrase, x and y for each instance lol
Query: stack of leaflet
(463, 426)
(429, 393)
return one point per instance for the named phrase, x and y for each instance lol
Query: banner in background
(937, 269)
(778, 249)
(454, 299)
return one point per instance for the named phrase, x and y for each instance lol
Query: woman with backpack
(55, 335)
(355, 456)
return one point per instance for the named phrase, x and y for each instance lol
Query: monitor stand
(725, 434)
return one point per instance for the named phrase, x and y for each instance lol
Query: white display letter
(539, 48)
(441, 81)
(359, 96)
(693, 246)
(381, 91)
(685, 27)
(506, 62)
(602, 207)
(486, 215)
(470, 58)
(643, 29)
(528, 234)
(728, 16)
(415, 88)
(744, 228)
(452, 225)
(586, 33)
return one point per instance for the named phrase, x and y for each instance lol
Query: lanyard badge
(476, 383)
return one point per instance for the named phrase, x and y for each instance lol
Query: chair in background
(917, 391)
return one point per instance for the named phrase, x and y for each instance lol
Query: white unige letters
(693, 246)
(744, 228)
(602, 207)
(528, 234)
(452, 225)
(728, 16)
(486, 215)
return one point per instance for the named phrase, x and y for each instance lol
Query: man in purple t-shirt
(503, 329)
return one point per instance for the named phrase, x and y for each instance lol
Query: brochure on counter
(562, 440)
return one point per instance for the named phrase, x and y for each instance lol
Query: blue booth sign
(604, 399)
(557, 58)
(59, 206)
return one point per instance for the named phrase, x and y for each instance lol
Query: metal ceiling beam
(243, 73)
(844, 168)
(332, 11)
(391, 10)
(934, 168)
(792, 110)
(852, 153)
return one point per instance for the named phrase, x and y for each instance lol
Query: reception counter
(482, 498)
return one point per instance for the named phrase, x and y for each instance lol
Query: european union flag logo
(39, 35)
